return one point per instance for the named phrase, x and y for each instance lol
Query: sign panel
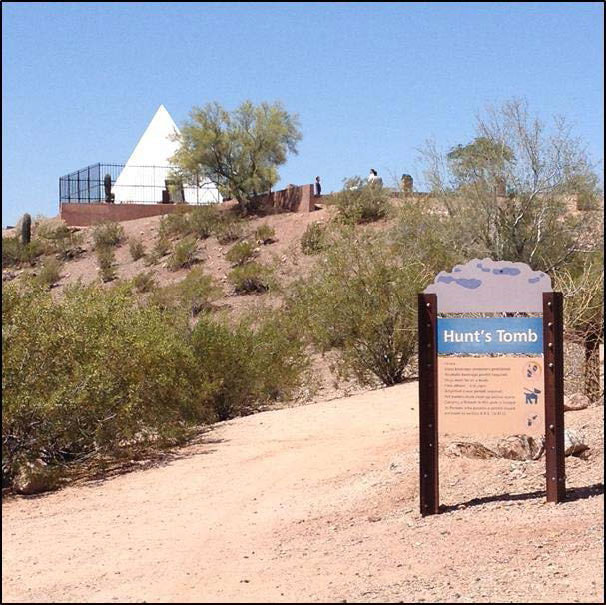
(495, 375)
(491, 395)
(490, 375)
(503, 335)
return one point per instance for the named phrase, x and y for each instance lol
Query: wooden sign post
(493, 375)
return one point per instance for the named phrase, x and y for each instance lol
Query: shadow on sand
(572, 494)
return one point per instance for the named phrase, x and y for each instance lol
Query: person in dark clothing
(317, 187)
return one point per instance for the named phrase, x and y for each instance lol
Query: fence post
(553, 356)
(428, 404)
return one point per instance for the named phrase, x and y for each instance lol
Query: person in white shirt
(374, 178)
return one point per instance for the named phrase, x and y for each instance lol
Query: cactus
(107, 184)
(26, 229)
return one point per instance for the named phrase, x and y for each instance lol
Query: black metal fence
(136, 184)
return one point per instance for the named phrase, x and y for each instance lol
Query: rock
(578, 401)
(574, 442)
(469, 450)
(521, 447)
(8, 276)
(35, 478)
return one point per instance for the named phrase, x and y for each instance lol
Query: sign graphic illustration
(490, 362)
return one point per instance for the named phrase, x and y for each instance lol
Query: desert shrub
(194, 294)
(174, 224)
(251, 278)
(161, 248)
(106, 260)
(241, 252)
(228, 231)
(197, 291)
(136, 249)
(362, 300)
(421, 234)
(57, 238)
(203, 221)
(184, 254)
(93, 372)
(249, 366)
(107, 234)
(314, 238)
(144, 282)
(50, 228)
(359, 202)
(265, 234)
(49, 273)
(15, 254)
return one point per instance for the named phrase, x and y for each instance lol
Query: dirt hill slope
(315, 503)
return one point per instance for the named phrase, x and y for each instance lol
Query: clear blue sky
(370, 82)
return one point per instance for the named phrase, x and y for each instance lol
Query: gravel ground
(314, 503)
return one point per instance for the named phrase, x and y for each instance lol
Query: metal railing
(132, 184)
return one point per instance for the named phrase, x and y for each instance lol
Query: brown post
(553, 355)
(428, 404)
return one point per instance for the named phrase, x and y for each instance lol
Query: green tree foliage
(362, 300)
(509, 191)
(239, 151)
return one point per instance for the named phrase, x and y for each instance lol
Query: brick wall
(83, 215)
(292, 199)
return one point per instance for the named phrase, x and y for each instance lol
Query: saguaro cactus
(26, 229)
(107, 184)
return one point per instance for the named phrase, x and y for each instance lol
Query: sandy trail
(315, 503)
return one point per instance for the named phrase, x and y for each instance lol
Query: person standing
(374, 178)
(317, 187)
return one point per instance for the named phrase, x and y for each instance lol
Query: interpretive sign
(493, 375)
(490, 375)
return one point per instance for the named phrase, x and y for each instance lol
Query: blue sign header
(505, 335)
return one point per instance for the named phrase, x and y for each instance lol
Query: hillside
(314, 504)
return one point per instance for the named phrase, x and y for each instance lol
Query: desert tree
(240, 151)
(512, 192)
(583, 289)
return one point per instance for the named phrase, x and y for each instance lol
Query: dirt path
(315, 503)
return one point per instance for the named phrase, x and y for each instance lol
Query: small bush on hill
(136, 249)
(174, 224)
(194, 294)
(241, 253)
(161, 248)
(251, 278)
(228, 231)
(314, 239)
(362, 300)
(106, 260)
(108, 234)
(265, 234)
(144, 282)
(250, 366)
(184, 254)
(203, 221)
(15, 254)
(360, 202)
(198, 291)
(49, 273)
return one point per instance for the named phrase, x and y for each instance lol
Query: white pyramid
(142, 178)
